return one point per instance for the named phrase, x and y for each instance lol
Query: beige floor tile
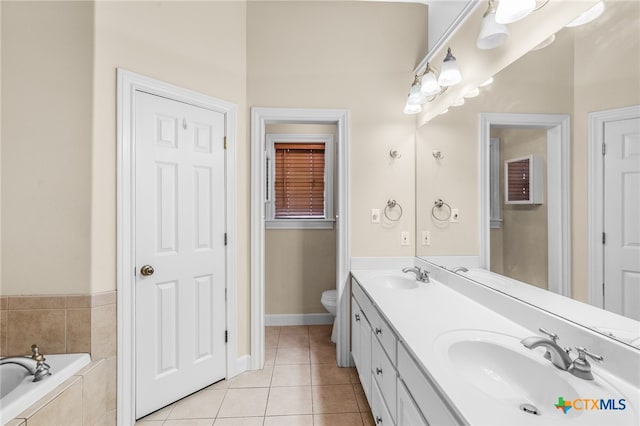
(271, 341)
(143, 422)
(291, 375)
(188, 422)
(293, 341)
(353, 373)
(329, 374)
(321, 329)
(289, 400)
(342, 419)
(361, 398)
(334, 399)
(248, 402)
(323, 355)
(294, 329)
(161, 414)
(269, 356)
(253, 379)
(272, 329)
(203, 404)
(292, 356)
(239, 421)
(367, 419)
(306, 420)
(320, 340)
(222, 384)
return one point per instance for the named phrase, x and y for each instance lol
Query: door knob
(147, 270)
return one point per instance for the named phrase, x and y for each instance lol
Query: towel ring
(391, 205)
(439, 204)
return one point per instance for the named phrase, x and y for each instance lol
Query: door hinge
(225, 238)
(604, 238)
(604, 149)
(226, 336)
(225, 142)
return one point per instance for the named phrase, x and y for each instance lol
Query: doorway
(614, 208)
(198, 132)
(557, 188)
(260, 119)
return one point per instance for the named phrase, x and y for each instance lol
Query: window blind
(299, 180)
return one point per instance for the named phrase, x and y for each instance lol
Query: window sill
(299, 224)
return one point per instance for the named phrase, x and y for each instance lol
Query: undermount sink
(504, 374)
(395, 282)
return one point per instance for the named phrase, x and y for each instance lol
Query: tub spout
(38, 369)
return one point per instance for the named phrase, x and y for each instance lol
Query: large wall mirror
(520, 168)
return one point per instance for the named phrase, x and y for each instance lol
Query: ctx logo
(590, 404)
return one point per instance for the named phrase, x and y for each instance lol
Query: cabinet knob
(357, 317)
(378, 371)
(378, 330)
(379, 420)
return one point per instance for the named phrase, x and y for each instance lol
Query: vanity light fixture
(510, 11)
(472, 93)
(412, 109)
(458, 102)
(588, 16)
(429, 82)
(450, 74)
(415, 94)
(492, 34)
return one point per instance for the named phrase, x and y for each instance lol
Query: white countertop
(424, 317)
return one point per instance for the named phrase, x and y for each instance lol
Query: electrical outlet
(455, 216)
(375, 215)
(404, 238)
(426, 238)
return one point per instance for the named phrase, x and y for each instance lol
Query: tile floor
(300, 385)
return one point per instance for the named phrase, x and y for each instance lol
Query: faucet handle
(35, 353)
(582, 353)
(553, 336)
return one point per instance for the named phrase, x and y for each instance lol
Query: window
(299, 181)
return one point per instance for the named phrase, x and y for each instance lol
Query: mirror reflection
(590, 74)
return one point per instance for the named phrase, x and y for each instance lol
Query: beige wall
(47, 63)
(356, 56)
(523, 236)
(299, 263)
(541, 81)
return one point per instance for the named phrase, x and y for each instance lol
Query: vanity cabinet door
(384, 334)
(356, 352)
(384, 375)
(407, 413)
(381, 414)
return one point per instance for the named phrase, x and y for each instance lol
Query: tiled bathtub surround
(63, 324)
(299, 385)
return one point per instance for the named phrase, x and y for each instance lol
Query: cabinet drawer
(429, 402)
(378, 408)
(384, 374)
(385, 335)
(363, 300)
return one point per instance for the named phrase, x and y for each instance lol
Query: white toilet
(328, 300)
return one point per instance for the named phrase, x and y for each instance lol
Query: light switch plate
(455, 216)
(426, 238)
(404, 238)
(375, 215)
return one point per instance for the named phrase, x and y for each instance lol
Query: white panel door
(180, 233)
(622, 217)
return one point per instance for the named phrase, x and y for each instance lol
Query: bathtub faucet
(422, 275)
(35, 365)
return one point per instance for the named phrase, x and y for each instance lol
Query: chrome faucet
(422, 275)
(35, 364)
(559, 356)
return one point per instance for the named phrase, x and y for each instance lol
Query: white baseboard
(298, 319)
(242, 364)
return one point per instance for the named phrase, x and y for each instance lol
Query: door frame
(558, 170)
(260, 117)
(128, 84)
(595, 194)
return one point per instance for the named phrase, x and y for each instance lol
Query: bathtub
(18, 392)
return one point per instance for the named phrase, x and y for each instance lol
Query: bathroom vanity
(440, 353)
